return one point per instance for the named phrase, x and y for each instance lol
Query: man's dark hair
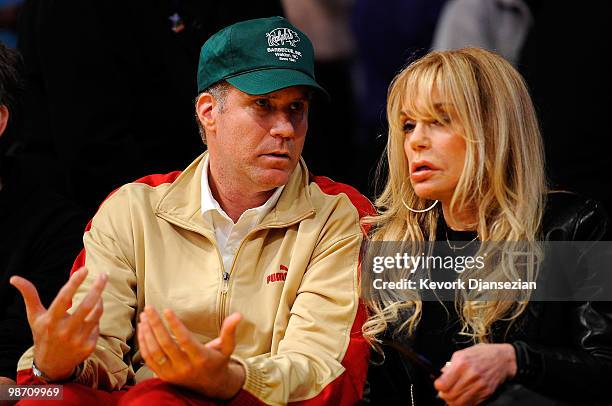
(11, 92)
(219, 91)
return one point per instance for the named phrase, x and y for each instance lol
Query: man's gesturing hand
(62, 340)
(206, 368)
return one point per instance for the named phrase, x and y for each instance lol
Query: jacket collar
(181, 203)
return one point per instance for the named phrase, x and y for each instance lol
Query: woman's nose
(419, 138)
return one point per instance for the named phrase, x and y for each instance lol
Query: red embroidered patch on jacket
(278, 276)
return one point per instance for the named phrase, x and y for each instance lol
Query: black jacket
(40, 235)
(563, 349)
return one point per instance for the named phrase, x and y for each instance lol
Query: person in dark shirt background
(565, 62)
(40, 232)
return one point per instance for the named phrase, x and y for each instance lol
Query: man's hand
(7, 381)
(184, 361)
(62, 340)
(473, 374)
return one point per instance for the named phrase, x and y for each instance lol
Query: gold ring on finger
(161, 361)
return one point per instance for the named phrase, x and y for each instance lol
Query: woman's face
(436, 155)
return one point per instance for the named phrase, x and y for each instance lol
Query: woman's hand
(473, 374)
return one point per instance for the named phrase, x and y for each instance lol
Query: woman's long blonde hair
(503, 176)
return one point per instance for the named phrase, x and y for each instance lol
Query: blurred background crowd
(111, 84)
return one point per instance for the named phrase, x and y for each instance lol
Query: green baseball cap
(258, 56)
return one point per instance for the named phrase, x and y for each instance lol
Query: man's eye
(408, 126)
(297, 106)
(262, 102)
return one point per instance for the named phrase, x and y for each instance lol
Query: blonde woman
(465, 163)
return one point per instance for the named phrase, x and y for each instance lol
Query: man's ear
(205, 109)
(4, 117)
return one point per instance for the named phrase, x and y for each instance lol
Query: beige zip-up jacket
(294, 279)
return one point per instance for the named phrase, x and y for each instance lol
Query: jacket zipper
(224, 289)
(226, 275)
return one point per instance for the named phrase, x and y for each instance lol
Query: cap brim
(270, 80)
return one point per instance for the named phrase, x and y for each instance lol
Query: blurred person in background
(94, 66)
(40, 231)
(565, 62)
(496, 25)
(387, 35)
(9, 12)
(327, 23)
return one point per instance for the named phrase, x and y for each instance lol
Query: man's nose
(282, 126)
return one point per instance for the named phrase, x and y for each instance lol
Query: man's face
(255, 142)
(4, 116)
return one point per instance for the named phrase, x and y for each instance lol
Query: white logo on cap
(276, 44)
(279, 36)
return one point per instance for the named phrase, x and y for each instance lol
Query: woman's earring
(419, 211)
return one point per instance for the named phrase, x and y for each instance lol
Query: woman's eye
(408, 126)
(445, 120)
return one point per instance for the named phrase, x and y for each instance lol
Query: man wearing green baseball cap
(258, 57)
(235, 279)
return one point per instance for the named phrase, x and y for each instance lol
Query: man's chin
(273, 178)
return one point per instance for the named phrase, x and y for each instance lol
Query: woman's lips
(422, 175)
(421, 170)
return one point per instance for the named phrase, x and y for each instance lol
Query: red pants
(147, 393)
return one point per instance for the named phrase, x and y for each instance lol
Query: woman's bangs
(423, 96)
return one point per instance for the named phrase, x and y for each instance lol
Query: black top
(40, 235)
(437, 336)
